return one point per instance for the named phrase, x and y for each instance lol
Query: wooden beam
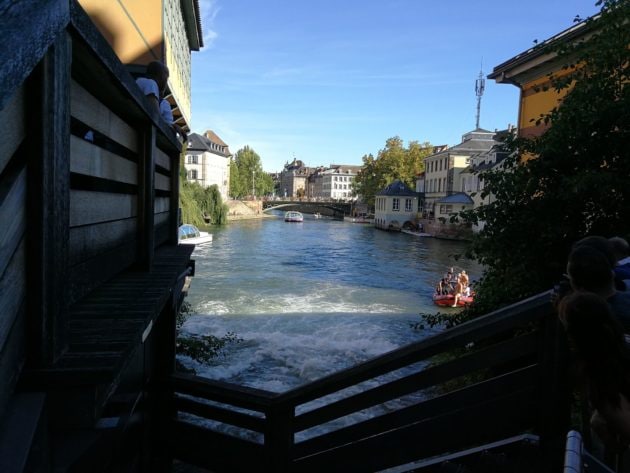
(49, 215)
(146, 200)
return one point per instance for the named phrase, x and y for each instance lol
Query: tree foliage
(247, 175)
(393, 162)
(577, 184)
(198, 202)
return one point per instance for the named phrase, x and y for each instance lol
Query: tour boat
(446, 300)
(293, 216)
(190, 235)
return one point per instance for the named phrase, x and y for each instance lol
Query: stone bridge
(329, 209)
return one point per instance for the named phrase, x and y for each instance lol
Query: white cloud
(208, 10)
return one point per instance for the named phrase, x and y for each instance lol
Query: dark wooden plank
(433, 376)
(21, 439)
(49, 166)
(24, 43)
(83, 182)
(13, 114)
(507, 318)
(91, 273)
(174, 220)
(91, 207)
(12, 210)
(12, 357)
(226, 416)
(470, 396)
(241, 396)
(452, 431)
(215, 451)
(94, 114)
(102, 141)
(91, 240)
(146, 199)
(161, 233)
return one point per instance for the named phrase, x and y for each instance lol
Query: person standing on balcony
(154, 84)
(153, 87)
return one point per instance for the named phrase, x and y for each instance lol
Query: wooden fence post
(146, 200)
(279, 438)
(49, 203)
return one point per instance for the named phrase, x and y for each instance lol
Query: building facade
(153, 30)
(293, 180)
(333, 183)
(396, 206)
(208, 161)
(442, 169)
(530, 70)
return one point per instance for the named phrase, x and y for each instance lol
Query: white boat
(190, 235)
(293, 216)
(317, 215)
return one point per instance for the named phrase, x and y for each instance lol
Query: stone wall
(451, 231)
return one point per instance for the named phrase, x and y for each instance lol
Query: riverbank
(246, 210)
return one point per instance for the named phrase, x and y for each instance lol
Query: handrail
(228, 393)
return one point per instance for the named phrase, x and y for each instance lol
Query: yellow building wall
(536, 101)
(134, 29)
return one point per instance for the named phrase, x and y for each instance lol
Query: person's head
(157, 71)
(590, 270)
(599, 243)
(620, 247)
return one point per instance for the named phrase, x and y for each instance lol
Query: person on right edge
(603, 364)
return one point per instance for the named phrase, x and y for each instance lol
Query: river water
(307, 299)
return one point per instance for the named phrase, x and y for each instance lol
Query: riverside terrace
(91, 278)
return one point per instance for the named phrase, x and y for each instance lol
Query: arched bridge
(330, 209)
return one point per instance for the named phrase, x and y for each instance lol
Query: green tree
(199, 203)
(579, 182)
(393, 162)
(247, 175)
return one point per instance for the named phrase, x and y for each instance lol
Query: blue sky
(328, 81)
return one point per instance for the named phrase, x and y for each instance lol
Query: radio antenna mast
(480, 85)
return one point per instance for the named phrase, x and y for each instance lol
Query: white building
(208, 161)
(333, 183)
(396, 206)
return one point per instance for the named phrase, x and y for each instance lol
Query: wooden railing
(497, 376)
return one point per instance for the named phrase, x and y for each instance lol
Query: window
(192, 174)
(193, 159)
(396, 204)
(408, 205)
(446, 209)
